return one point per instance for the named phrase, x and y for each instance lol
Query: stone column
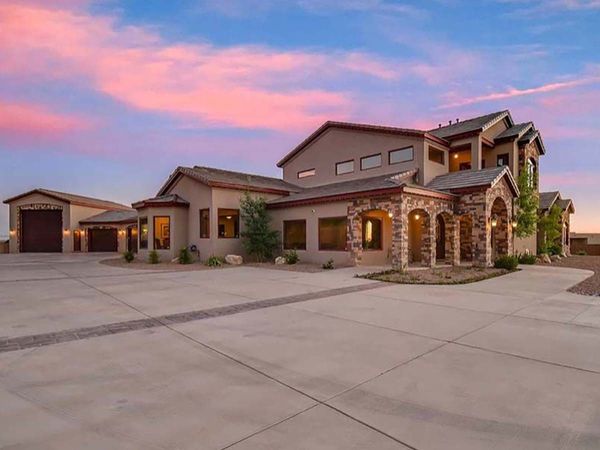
(399, 235)
(428, 247)
(482, 242)
(455, 241)
(354, 234)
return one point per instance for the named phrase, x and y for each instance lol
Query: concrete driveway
(100, 357)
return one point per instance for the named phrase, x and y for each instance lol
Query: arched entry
(376, 228)
(419, 237)
(444, 231)
(499, 225)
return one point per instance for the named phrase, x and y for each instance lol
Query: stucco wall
(433, 169)
(337, 145)
(178, 230)
(526, 245)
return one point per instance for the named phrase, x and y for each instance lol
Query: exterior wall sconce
(121, 232)
(494, 221)
(12, 232)
(455, 156)
(417, 216)
(66, 232)
(515, 224)
(390, 214)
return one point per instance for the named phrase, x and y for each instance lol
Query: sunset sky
(106, 98)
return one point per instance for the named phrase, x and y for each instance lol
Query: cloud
(530, 7)
(244, 86)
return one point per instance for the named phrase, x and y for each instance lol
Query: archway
(499, 224)
(376, 238)
(444, 232)
(419, 237)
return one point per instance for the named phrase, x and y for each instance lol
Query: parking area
(251, 358)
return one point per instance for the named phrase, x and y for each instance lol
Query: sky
(105, 98)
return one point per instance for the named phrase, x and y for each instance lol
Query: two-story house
(363, 194)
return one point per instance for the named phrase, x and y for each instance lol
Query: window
(344, 167)
(162, 232)
(143, 232)
(531, 172)
(332, 233)
(436, 155)
(464, 166)
(370, 162)
(306, 173)
(371, 233)
(294, 234)
(205, 223)
(229, 223)
(502, 160)
(401, 155)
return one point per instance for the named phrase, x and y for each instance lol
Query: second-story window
(436, 155)
(344, 167)
(401, 155)
(502, 160)
(306, 173)
(370, 162)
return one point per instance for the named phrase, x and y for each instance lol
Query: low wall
(578, 245)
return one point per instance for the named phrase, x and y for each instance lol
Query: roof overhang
(63, 200)
(167, 204)
(505, 174)
(114, 222)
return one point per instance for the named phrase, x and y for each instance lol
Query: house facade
(360, 194)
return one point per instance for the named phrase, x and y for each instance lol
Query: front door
(132, 240)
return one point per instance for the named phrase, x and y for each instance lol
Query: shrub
(128, 256)
(153, 257)
(526, 258)
(582, 253)
(215, 261)
(328, 265)
(185, 257)
(507, 262)
(258, 238)
(291, 257)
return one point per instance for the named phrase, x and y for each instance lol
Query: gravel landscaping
(590, 286)
(164, 266)
(439, 275)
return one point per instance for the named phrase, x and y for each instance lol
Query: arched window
(531, 168)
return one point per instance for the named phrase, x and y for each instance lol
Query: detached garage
(46, 221)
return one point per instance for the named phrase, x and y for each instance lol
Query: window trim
(344, 162)
(143, 247)
(371, 156)
(412, 158)
(285, 247)
(238, 223)
(345, 249)
(372, 249)
(431, 147)
(154, 231)
(300, 173)
(200, 224)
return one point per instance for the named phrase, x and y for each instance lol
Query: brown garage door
(102, 240)
(41, 230)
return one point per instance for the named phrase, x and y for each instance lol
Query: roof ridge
(238, 172)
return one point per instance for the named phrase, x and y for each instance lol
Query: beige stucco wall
(432, 169)
(312, 214)
(526, 245)
(178, 230)
(491, 156)
(337, 145)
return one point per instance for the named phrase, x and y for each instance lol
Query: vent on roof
(439, 125)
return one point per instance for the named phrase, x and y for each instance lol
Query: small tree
(527, 204)
(550, 228)
(258, 238)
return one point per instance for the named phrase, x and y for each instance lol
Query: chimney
(439, 125)
(457, 120)
(449, 122)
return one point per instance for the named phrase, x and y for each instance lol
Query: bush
(291, 257)
(527, 258)
(328, 265)
(153, 257)
(185, 257)
(215, 261)
(128, 256)
(582, 253)
(507, 262)
(258, 238)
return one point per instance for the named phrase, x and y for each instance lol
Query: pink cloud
(249, 87)
(22, 120)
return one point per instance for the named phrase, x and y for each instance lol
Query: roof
(108, 217)
(359, 127)
(230, 180)
(162, 200)
(354, 188)
(73, 199)
(480, 123)
(465, 179)
(566, 204)
(547, 199)
(530, 136)
(514, 132)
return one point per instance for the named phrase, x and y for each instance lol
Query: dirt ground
(591, 286)
(441, 275)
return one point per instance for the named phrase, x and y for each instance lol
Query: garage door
(102, 240)
(41, 230)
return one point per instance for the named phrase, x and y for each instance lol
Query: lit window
(294, 234)
(332, 233)
(205, 223)
(370, 162)
(401, 155)
(143, 232)
(344, 167)
(371, 231)
(436, 155)
(229, 223)
(306, 173)
(162, 232)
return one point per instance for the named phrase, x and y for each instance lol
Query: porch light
(455, 156)
(417, 216)
(515, 223)
(66, 231)
(12, 232)
(390, 214)
(228, 217)
(494, 221)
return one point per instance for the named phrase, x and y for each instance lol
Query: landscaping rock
(175, 260)
(280, 260)
(234, 260)
(555, 258)
(545, 258)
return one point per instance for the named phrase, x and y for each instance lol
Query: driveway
(100, 357)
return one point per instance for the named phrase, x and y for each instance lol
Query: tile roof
(480, 123)
(226, 178)
(530, 136)
(471, 178)
(547, 199)
(107, 217)
(516, 131)
(74, 199)
(162, 200)
(564, 203)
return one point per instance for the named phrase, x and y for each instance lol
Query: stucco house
(358, 194)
